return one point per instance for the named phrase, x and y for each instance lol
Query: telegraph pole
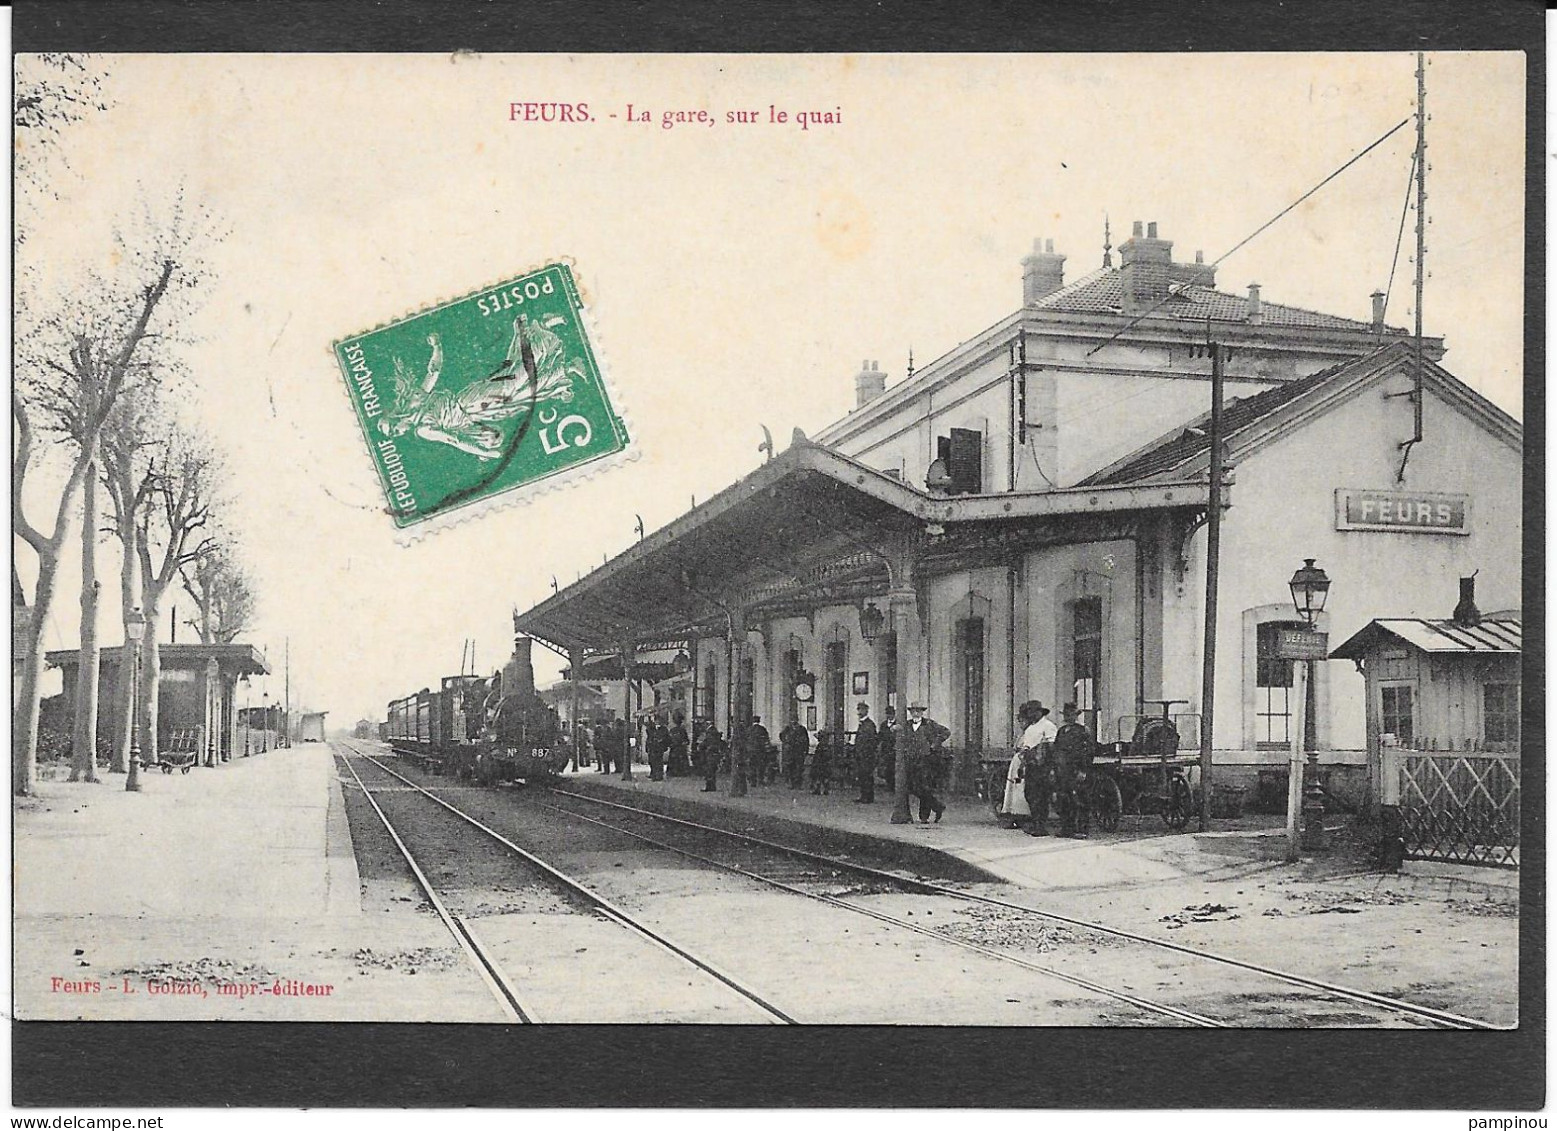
(286, 710)
(1213, 562)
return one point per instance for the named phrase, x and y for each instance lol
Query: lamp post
(248, 722)
(265, 730)
(134, 628)
(1310, 587)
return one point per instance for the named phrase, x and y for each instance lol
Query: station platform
(967, 844)
(151, 906)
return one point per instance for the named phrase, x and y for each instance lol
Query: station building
(1024, 518)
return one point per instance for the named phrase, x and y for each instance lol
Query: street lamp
(265, 730)
(134, 628)
(248, 721)
(872, 621)
(1310, 587)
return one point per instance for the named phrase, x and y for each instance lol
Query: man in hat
(1073, 752)
(1037, 746)
(865, 755)
(886, 747)
(710, 751)
(922, 738)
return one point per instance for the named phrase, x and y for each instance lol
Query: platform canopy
(809, 527)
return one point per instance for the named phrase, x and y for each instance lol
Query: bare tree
(223, 595)
(82, 337)
(83, 765)
(127, 453)
(172, 534)
(53, 93)
(73, 387)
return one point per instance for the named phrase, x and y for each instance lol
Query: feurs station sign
(1398, 512)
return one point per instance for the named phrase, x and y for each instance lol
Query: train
(486, 730)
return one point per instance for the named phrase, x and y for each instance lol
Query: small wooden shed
(1443, 730)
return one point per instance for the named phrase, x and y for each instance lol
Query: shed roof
(240, 659)
(1494, 636)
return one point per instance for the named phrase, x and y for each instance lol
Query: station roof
(1102, 292)
(235, 659)
(1494, 636)
(808, 519)
(1246, 421)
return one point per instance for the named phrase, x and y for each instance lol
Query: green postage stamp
(485, 395)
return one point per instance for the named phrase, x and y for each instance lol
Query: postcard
(852, 539)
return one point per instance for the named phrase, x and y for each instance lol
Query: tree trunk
(151, 671)
(124, 707)
(24, 727)
(84, 744)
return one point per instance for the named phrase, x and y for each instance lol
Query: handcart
(1146, 773)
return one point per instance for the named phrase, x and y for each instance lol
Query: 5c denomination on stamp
(481, 396)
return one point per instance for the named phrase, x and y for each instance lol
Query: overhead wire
(1400, 235)
(1173, 292)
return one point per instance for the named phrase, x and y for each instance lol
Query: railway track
(797, 886)
(513, 1006)
(1389, 1006)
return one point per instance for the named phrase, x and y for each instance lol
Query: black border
(292, 1065)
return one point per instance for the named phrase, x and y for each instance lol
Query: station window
(1087, 658)
(963, 454)
(970, 654)
(791, 674)
(1395, 713)
(1500, 714)
(704, 707)
(1273, 703)
(886, 649)
(837, 672)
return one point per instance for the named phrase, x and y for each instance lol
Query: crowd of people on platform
(1048, 768)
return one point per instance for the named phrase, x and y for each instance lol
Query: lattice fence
(1460, 808)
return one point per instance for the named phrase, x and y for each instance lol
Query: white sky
(738, 273)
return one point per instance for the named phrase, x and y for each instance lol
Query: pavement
(969, 844)
(227, 893)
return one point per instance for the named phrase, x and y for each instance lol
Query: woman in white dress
(1014, 811)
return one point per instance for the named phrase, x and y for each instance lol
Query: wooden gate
(1460, 808)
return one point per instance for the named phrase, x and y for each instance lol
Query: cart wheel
(1180, 806)
(1106, 803)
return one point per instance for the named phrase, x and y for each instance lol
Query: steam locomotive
(486, 730)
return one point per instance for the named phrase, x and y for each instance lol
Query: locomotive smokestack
(521, 670)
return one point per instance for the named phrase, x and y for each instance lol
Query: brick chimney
(1256, 312)
(1043, 272)
(1378, 311)
(1146, 265)
(869, 383)
(1466, 613)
